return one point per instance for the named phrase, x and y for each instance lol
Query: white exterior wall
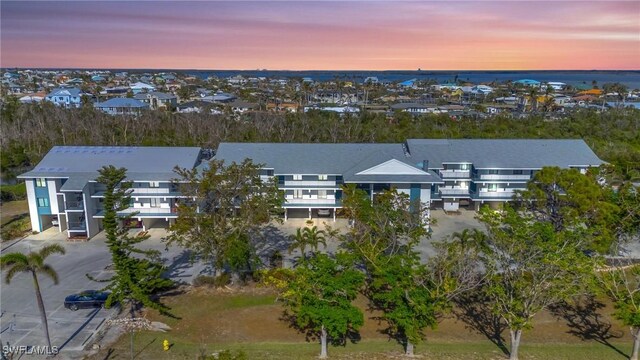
(33, 206)
(403, 188)
(425, 194)
(52, 185)
(92, 224)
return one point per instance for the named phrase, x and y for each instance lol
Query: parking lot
(70, 331)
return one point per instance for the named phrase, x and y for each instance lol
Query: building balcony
(503, 177)
(455, 174)
(144, 213)
(77, 226)
(453, 191)
(308, 201)
(506, 194)
(317, 183)
(152, 193)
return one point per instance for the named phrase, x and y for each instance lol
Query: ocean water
(628, 77)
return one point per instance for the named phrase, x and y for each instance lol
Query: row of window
(43, 202)
(320, 177)
(297, 194)
(41, 182)
(489, 172)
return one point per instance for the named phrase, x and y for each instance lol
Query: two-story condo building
(65, 97)
(311, 175)
(440, 173)
(62, 190)
(449, 174)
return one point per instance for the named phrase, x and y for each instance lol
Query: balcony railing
(495, 194)
(453, 191)
(308, 200)
(503, 177)
(74, 205)
(455, 173)
(76, 225)
(309, 183)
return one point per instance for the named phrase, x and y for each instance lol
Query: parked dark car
(86, 299)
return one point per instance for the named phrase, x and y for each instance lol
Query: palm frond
(15, 269)
(48, 270)
(13, 258)
(51, 249)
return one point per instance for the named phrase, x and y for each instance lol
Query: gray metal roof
(313, 158)
(504, 153)
(121, 103)
(350, 159)
(142, 163)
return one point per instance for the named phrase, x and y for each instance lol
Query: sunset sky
(299, 35)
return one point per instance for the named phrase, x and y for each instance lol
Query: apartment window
(322, 194)
(154, 184)
(492, 172)
(517, 172)
(43, 202)
(297, 177)
(297, 194)
(492, 187)
(155, 202)
(41, 182)
(322, 177)
(464, 167)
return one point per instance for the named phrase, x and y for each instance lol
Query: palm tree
(468, 237)
(315, 237)
(33, 263)
(307, 237)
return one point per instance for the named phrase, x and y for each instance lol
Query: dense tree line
(28, 131)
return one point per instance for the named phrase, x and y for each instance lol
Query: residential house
(195, 106)
(158, 100)
(240, 107)
(121, 106)
(414, 108)
(140, 87)
(65, 97)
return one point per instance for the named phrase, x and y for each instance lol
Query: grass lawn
(213, 320)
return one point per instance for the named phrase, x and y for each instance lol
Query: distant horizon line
(319, 70)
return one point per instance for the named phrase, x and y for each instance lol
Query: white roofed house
(65, 97)
(62, 192)
(139, 87)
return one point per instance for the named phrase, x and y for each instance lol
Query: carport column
(309, 213)
(334, 214)
(285, 214)
(371, 191)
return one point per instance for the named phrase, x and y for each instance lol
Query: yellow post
(165, 345)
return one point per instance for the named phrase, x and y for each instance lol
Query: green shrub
(13, 192)
(215, 281)
(15, 229)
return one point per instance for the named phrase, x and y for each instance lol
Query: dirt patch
(13, 210)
